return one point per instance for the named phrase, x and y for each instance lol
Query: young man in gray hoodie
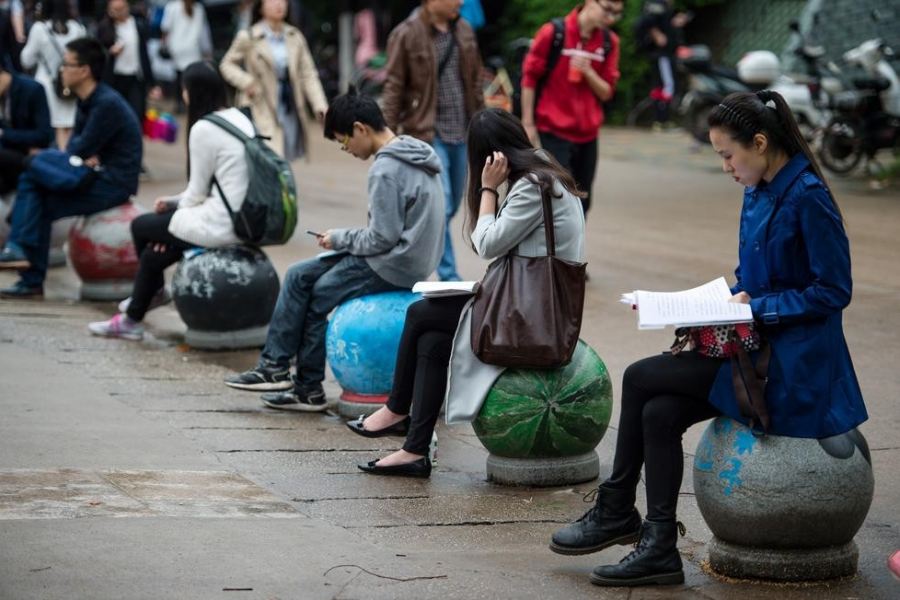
(401, 245)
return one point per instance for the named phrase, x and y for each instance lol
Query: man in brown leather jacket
(433, 88)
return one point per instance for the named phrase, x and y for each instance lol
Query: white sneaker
(163, 296)
(118, 327)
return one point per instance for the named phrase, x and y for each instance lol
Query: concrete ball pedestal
(226, 297)
(541, 426)
(361, 346)
(782, 508)
(102, 253)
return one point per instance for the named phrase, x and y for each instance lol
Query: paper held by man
(442, 289)
(705, 305)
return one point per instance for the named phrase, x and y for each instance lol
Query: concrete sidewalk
(127, 470)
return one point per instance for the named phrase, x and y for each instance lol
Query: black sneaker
(20, 291)
(303, 401)
(262, 378)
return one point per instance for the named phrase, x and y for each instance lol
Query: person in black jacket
(125, 36)
(24, 125)
(107, 137)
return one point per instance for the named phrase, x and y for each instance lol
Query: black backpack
(556, 48)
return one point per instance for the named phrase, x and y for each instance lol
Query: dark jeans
(12, 164)
(420, 378)
(662, 396)
(311, 290)
(36, 208)
(134, 90)
(578, 159)
(147, 231)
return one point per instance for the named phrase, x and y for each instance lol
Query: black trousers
(147, 231)
(134, 90)
(420, 378)
(661, 397)
(578, 159)
(12, 164)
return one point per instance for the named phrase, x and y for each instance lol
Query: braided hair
(743, 115)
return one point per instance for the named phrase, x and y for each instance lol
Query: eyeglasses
(613, 13)
(345, 141)
(70, 65)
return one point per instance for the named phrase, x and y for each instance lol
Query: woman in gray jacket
(436, 332)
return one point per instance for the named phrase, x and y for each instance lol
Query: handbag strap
(445, 60)
(548, 223)
(749, 383)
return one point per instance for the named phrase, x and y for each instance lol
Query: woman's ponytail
(745, 114)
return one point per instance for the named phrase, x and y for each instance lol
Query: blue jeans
(453, 179)
(36, 208)
(311, 290)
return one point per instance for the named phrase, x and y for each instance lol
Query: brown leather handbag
(527, 311)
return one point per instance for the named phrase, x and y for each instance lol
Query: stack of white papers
(441, 289)
(705, 305)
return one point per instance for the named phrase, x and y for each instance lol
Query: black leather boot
(612, 520)
(655, 559)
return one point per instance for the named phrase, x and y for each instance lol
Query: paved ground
(128, 471)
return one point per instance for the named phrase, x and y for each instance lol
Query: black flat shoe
(418, 468)
(397, 429)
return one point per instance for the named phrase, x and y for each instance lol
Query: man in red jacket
(567, 114)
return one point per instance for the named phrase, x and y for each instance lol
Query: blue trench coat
(795, 265)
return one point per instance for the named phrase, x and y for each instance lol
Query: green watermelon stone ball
(533, 413)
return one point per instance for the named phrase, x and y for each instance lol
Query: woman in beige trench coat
(271, 66)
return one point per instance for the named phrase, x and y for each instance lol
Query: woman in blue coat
(794, 271)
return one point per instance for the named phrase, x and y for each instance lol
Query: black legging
(148, 230)
(661, 397)
(420, 378)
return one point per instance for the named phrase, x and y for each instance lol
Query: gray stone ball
(782, 492)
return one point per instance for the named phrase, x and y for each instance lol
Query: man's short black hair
(90, 52)
(349, 108)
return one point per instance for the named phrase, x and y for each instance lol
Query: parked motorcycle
(709, 84)
(866, 118)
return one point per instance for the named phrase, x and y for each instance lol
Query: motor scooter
(709, 84)
(866, 118)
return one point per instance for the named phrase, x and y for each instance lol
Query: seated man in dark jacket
(107, 135)
(24, 125)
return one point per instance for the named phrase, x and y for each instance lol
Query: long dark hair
(745, 114)
(57, 12)
(206, 93)
(495, 130)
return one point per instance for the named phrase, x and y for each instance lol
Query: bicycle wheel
(643, 114)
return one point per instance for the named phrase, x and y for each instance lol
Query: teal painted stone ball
(533, 413)
(362, 340)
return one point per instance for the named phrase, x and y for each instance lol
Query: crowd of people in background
(71, 144)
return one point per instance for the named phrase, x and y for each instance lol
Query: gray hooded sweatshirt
(405, 236)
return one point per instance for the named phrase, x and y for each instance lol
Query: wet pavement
(127, 470)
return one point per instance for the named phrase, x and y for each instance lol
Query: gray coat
(404, 239)
(519, 225)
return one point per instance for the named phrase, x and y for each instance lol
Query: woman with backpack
(195, 218)
(271, 66)
(55, 28)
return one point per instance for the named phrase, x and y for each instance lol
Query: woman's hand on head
(495, 172)
(741, 298)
